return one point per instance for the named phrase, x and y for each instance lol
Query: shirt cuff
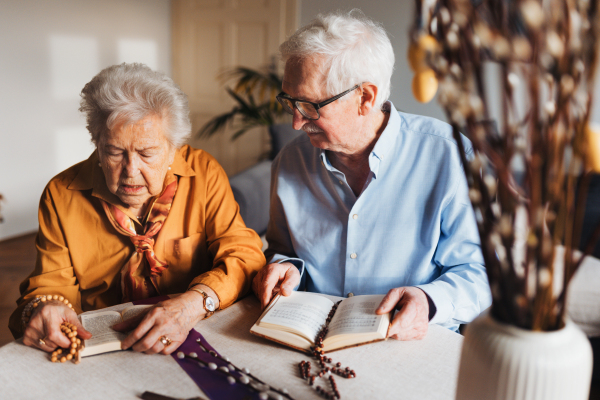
(297, 262)
(441, 301)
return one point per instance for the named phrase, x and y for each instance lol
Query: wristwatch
(208, 302)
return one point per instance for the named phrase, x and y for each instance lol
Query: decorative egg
(424, 85)
(418, 50)
(593, 147)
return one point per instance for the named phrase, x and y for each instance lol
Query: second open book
(296, 320)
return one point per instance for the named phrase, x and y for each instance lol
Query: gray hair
(355, 49)
(127, 93)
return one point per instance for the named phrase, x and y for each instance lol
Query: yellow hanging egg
(593, 147)
(417, 52)
(424, 85)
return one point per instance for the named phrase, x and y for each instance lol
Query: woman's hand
(173, 318)
(45, 324)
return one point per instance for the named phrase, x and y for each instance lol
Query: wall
(48, 51)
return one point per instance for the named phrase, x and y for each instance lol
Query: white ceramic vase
(503, 362)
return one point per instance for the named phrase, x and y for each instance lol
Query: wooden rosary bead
(70, 331)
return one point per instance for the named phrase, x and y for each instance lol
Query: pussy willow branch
(523, 294)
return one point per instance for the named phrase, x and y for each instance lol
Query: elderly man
(370, 200)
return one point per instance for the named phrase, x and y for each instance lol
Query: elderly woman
(144, 215)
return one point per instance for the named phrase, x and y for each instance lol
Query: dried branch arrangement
(525, 177)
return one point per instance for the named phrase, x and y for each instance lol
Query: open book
(104, 338)
(296, 320)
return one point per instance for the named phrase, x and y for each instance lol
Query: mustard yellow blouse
(80, 255)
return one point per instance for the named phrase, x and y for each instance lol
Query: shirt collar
(384, 144)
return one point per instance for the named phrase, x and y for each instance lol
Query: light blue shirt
(412, 225)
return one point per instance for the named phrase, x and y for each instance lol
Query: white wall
(396, 16)
(48, 51)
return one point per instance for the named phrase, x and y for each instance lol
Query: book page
(356, 315)
(301, 311)
(99, 324)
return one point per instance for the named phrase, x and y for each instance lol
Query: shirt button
(353, 255)
(355, 216)
(341, 183)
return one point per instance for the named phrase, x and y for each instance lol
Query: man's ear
(368, 97)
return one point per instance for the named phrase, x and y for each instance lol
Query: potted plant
(255, 105)
(526, 179)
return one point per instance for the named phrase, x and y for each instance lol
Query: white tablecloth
(425, 369)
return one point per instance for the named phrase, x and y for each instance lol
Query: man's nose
(298, 120)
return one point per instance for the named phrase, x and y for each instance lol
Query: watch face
(209, 304)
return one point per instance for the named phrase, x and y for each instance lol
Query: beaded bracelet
(28, 310)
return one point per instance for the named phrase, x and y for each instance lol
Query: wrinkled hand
(45, 324)
(412, 319)
(173, 318)
(273, 279)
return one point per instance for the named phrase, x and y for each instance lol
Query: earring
(169, 168)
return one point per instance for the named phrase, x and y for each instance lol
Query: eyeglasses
(307, 109)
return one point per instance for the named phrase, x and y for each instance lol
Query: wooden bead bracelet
(33, 304)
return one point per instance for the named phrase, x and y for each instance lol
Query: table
(425, 369)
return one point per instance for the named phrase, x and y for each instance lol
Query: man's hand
(173, 318)
(45, 324)
(275, 278)
(412, 319)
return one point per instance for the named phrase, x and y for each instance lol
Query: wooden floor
(17, 258)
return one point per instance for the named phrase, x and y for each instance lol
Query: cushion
(281, 134)
(251, 191)
(583, 297)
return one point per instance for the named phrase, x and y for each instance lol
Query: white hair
(127, 93)
(354, 50)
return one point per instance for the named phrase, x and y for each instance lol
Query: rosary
(319, 355)
(71, 353)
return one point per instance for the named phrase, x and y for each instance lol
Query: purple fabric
(213, 383)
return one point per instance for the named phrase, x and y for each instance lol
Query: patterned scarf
(137, 282)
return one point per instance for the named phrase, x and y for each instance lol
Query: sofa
(251, 186)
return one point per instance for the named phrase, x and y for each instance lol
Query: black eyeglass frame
(317, 106)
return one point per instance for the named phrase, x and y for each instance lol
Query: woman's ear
(368, 97)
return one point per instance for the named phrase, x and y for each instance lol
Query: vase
(504, 362)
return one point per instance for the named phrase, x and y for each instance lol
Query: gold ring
(165, 340)
(42, 342)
